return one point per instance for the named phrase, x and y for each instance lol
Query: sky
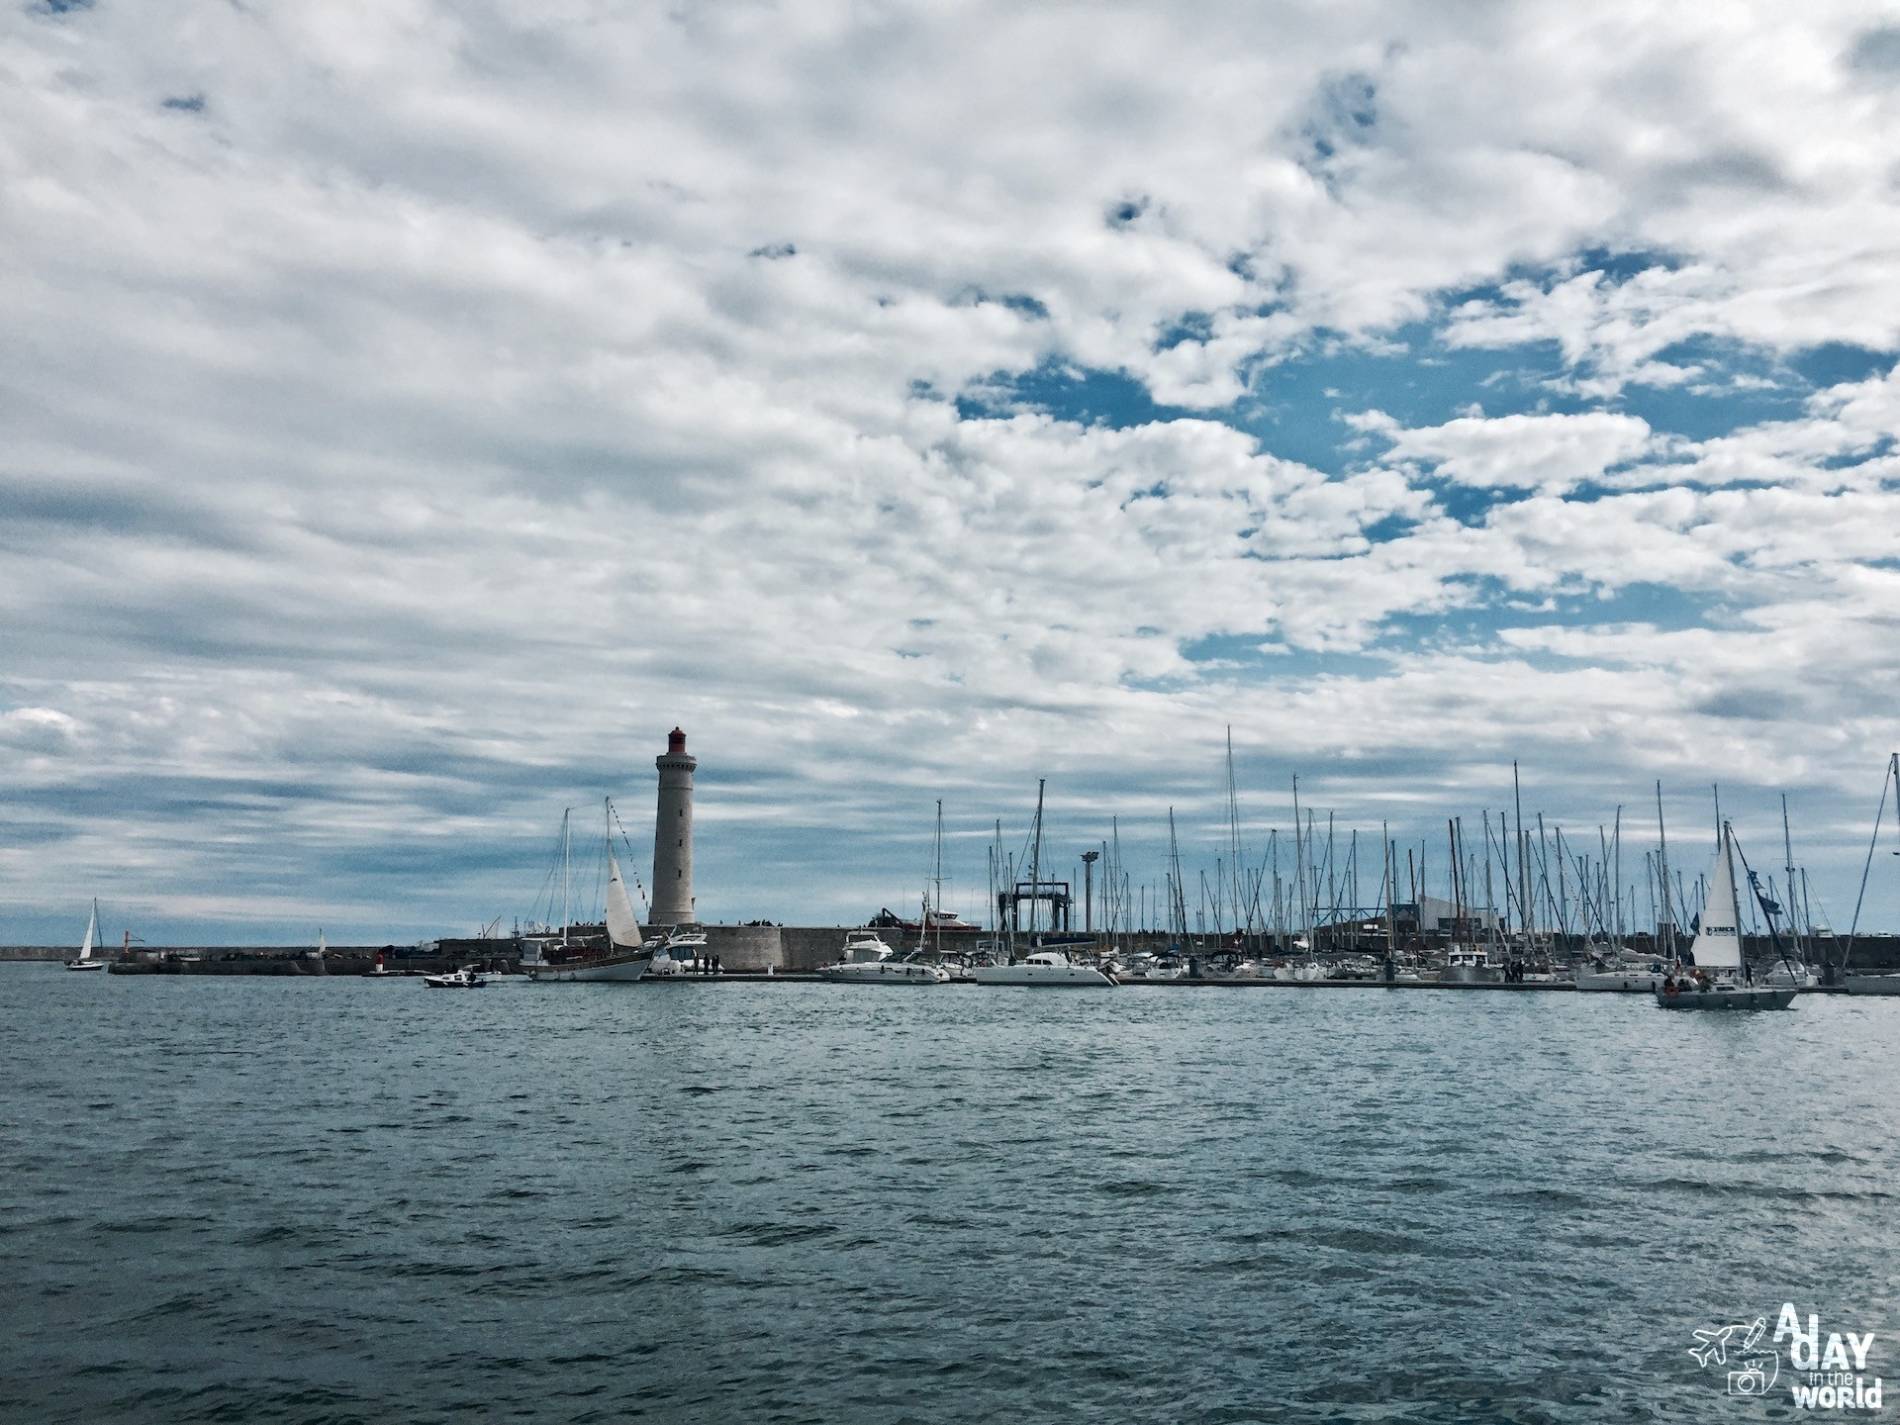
(412, 411)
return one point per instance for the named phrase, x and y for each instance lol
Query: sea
(310, 1200)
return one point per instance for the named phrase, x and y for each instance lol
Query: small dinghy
(462, 979)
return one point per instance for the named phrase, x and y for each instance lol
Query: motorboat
(683, 952)
(1717, 981)
(1049, 968)
(1469, 965)
(956, 967)
(85, 960)
(463, 979)
(867, 960)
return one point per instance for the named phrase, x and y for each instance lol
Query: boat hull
(1042, 976)
(1621, 981)
(1722, 999)
(1471, 975)
(607, 970)
(901, 972)
(85, 964)
(1871, 984)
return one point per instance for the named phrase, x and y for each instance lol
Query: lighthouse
(673, 835)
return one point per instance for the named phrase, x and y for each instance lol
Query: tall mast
(1457, 903)
(1889, 778)
(1668, 921)
(1787, 852)
(996, 850)
(1492, 929)
(1523, 879)
(939, 887)
(1617, 879)
(1035, 861)
(566, 876)
(1233, 828)
(1177, 901)
(1299, 858)
(1391, 890)
(1735, 895)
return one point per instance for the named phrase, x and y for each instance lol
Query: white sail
(1718, 940)
(623, 927)
(92, 933)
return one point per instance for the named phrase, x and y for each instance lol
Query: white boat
(955, 967)
(1716, 981)
(1624, 976)
(85, 960)
(1468, 965)
(683, 952)
(1047, 968)
(1305, 972)
(462, 979)
(1802, 977)
(867, 960)
(625, 958)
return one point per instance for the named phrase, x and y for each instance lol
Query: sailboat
(625, 958)
(1047, 965)
(85, 960)
(1870, 982)
(1717, 952)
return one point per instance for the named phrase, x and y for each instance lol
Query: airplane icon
(1715, 1343)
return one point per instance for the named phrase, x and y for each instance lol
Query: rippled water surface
(298, 1200)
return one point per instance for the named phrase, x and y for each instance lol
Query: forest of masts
(1505, 879)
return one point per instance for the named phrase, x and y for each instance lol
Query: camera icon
(1751, 1381)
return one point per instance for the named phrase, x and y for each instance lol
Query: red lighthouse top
(676, 743)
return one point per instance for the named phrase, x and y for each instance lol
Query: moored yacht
(682, 952)
(1469, 965)
(1627, 973)
(1048, 968)
(867, 960)
(624, 960)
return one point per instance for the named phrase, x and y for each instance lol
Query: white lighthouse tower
(673, 835)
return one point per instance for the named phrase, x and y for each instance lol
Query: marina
(1706, 943)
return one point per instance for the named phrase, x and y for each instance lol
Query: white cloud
(400, 442)
(1528, 452)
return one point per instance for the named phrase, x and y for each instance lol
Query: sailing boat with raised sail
(624, 958)
(1717, 951)
(85, 960)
